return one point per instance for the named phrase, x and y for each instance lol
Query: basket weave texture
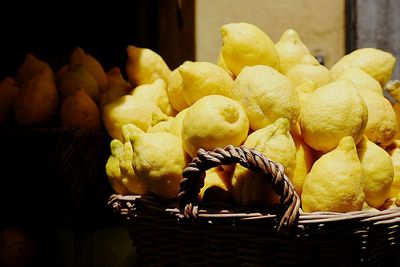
(180, 233)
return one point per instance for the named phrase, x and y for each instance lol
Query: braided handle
(194, 174)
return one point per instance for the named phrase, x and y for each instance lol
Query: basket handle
(194, 174)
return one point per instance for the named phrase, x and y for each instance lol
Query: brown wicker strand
(194, 174)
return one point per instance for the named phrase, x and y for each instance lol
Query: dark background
(51, 29)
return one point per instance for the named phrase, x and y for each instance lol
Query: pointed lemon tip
(347, 143)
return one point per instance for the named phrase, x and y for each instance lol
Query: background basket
(54, 173)
(232, 236)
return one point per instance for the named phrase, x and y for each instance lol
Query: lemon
(393, 89)
(304, 162)
(304, 90)
(336, 181)
(367, 207)
(8, 91)
(162, 126)
(145, 66)
(129, 109)
(177, 122)
(37, 100)
(79, 110)
(276, 143)
(117, 86)
(251, 189)
(158, 160)
(396, 108)
(30, 68)
(302, 73)
(155, 92)
(221, 62)
(115, 78)
(291, 50)
(266, 95)
(92, 65)
(119, 168)
(361, 80)
(61, 73)
(174, 90)
(128, 176)
(244, 44)
(214, 121)
(202, 79)
(332, 112)
(381, 126)
(77, 78)
(394, 152)
(378, 171)
(377, 63)
(113, 169)
(217, 185)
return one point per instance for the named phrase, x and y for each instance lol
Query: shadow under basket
(176, 233)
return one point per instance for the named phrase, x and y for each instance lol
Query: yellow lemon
(336, 181)
(92, 65)
(36, 102)
(174, 90)
(381, 126)
(61, 73)
(155, 92)
(115, 78)
(394, 152)
(145, 66)
(117, 86)
(378, 171)
(202, 79)
(177, 122)
(304, 90)
(396, 108)
(162, 126)
(119, 168)
(221, 62)
(79, 110)
(217, 186)
(214, 121)
(251, 189)
(302, 73)
(332, 112)
(129, 109)
(128, 176)
(304, 162)
(276, 143)
(393, 89)
(30, 68)
(244, 44)
(266, 95)
(291, 50)
(361, 80)
(158, 160)
(77, 78)
(113, 168)
(377, 63)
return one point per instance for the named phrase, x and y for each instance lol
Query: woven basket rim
(378, 217)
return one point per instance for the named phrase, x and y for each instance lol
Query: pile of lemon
(332, 129)
(74, 96)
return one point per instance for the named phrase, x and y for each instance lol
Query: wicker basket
(54, 172)
(177, 233)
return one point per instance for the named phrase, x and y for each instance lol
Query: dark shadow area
(50, 30)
